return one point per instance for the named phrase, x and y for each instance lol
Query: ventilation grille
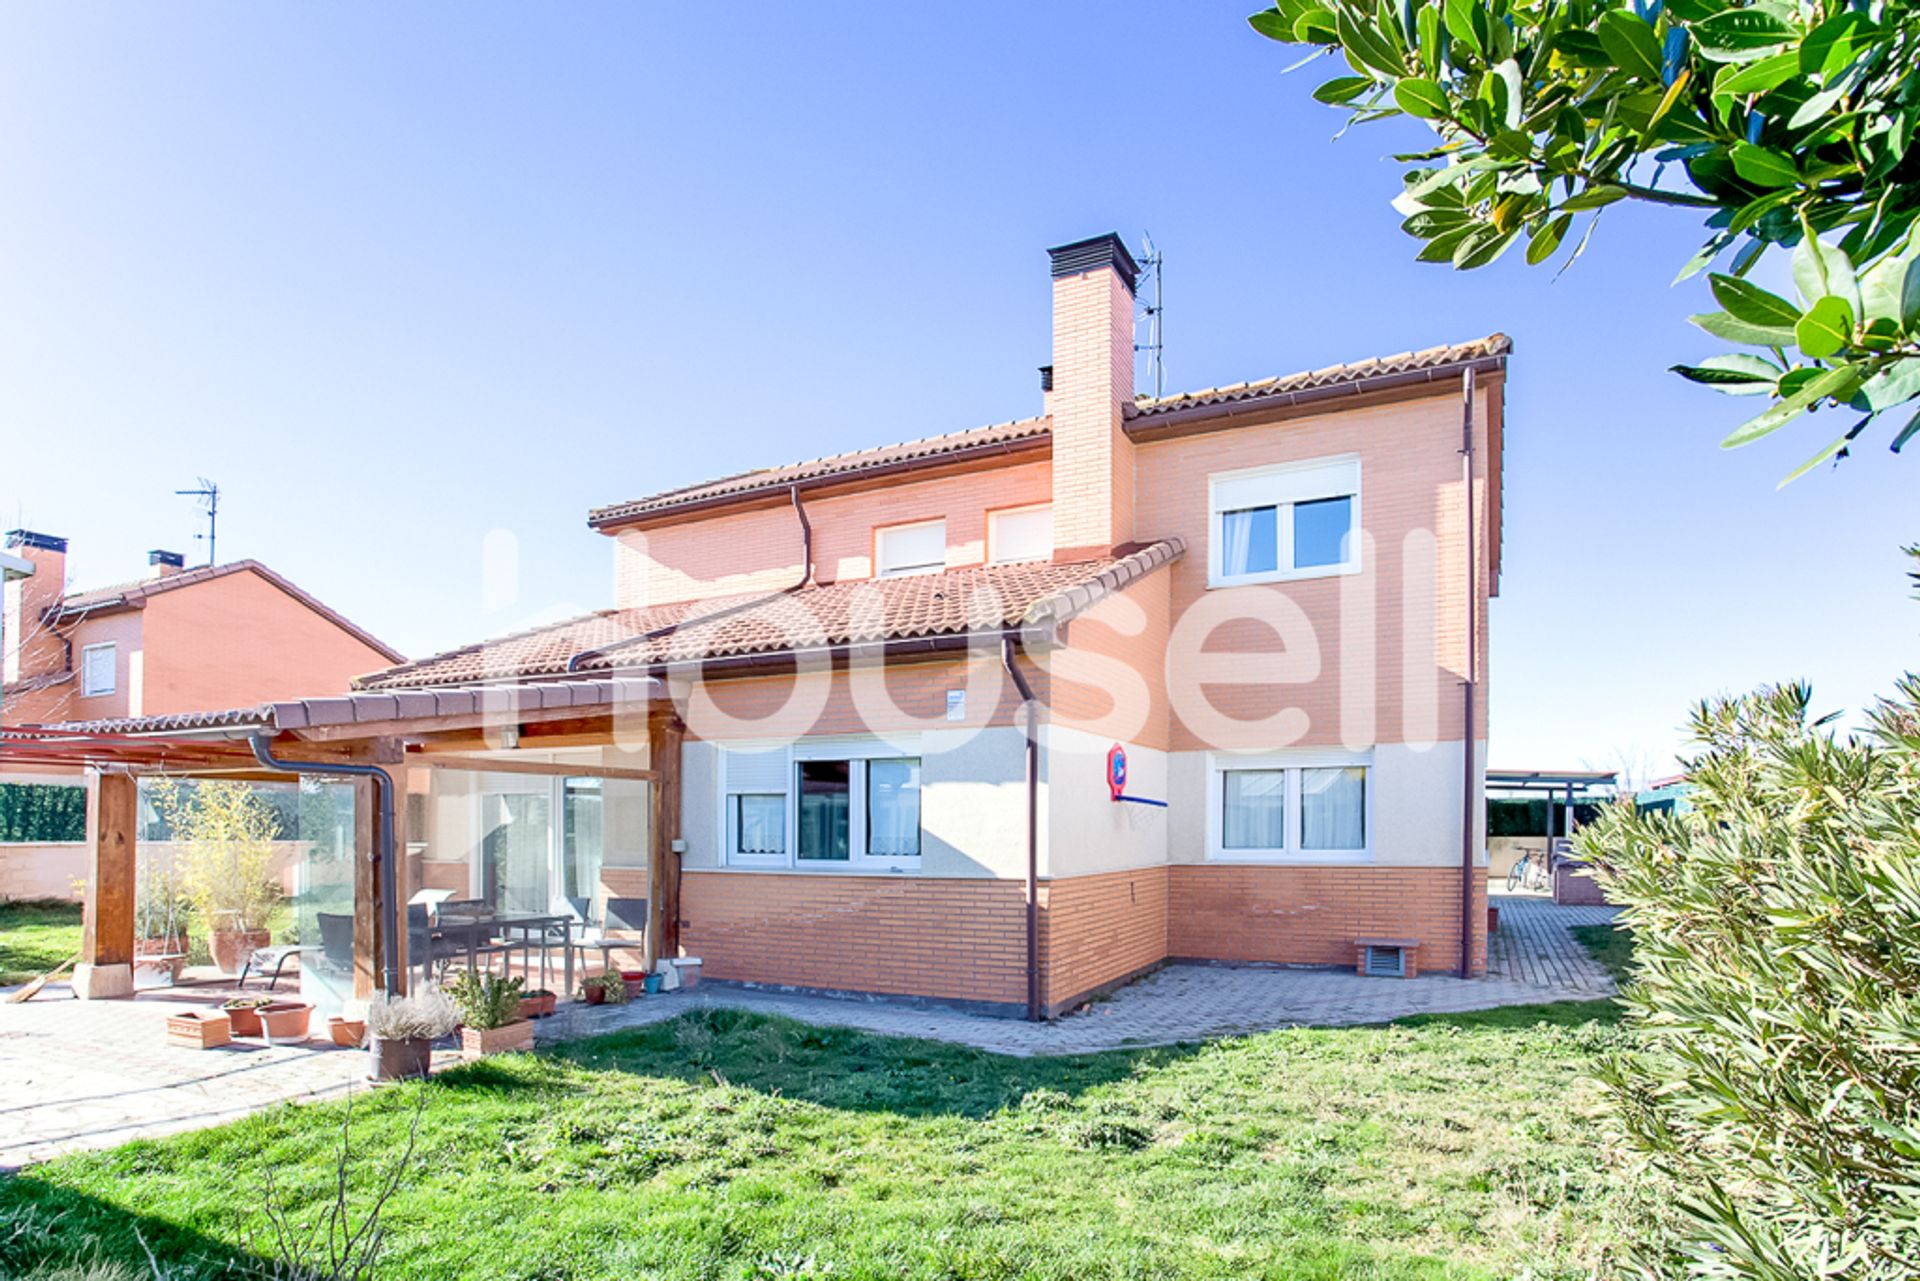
(1386, 962)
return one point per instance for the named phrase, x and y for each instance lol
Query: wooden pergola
(475, 729)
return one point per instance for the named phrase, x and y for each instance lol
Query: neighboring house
(178, 640)
(801, 730)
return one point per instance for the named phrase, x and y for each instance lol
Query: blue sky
(399, 277)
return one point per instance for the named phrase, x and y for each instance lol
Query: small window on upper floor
(97, 663)
(920, 548)
(1020, 533)
(1297, 520)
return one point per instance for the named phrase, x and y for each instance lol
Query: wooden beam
(107, 918)
(563, 719)
(366, 890)
(551, 769)
(665, 731)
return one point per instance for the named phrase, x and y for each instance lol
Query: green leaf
(1422, 98)
(1883, 289)
(1631, 44)
(1749, 302)
(1736, 81)
(1342, 89)
(1429, 223)
(1459, 14)
(1908, 432)
(1544, 241)
(1272, 24)
(1826, 328)
(1820, 269)
(1763, 166)
(1721, 325)
(1817, 459)
(1315, 26)
(1365, 45)
(1735, 374)
(1895, 385)
(1441, 247)
(1783, 412)
(1595, 197)
(1830, 47)
(1513, 101)
(1482, 246)
(1740, 35)
(1910, 296)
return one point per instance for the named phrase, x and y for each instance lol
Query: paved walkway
(1533, 959)
(80, 1074)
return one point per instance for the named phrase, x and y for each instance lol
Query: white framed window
(1298, 806)
(1020, 534)
(847, 804)
(919, 548)
(98, 664)
(1293, 520)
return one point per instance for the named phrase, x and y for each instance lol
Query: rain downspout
(1468, 683)
(384, 866)
(1033, 824)
(806, 576)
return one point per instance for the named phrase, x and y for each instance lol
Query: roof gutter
(1151, 424)
(385, 872)
(1468, 872)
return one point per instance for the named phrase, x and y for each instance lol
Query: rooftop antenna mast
(209, 496)
(1150, 260)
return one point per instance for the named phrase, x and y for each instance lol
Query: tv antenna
(1150, 260)
(209, 496)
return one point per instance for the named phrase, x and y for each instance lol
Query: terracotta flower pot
(477, 1043)
(347, 1032)
(1493, 920)
(286, 1020)
(594, 996)
(245, 1019)
(398, 1060)
(177, 944)
(231, 948)
(199, 1029)
(538, 1005)
(636, 981)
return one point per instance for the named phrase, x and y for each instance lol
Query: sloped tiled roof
(858, 611)
(133, 595)
(1359, 371)
(1000, 437)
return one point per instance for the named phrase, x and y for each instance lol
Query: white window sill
(1293, 858)
(824, 867)
(1284, 575)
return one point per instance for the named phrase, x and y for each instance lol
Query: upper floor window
(1020, 533)
(97, 664)
(920, 548)
(1295, 520)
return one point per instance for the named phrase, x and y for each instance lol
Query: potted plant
(538, 1004)
(604, 989)
(226, 832)
(243, 1012)
(490, 1014)
(402, 1029)
(346, 1032)
(636, 981)
(285, 1021)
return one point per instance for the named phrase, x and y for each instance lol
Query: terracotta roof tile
(1359, 371)
(884, 610)
(1001, 436)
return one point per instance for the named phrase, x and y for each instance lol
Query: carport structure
(1570, 786)
(399, 751)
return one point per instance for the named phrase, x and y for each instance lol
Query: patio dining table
(453, 935)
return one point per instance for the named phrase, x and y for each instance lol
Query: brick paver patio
(77, 1074)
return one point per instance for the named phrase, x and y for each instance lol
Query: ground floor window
(846, 804)
(1303, 807)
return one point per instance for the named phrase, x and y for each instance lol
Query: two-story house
(1010, 715)
(177, 640)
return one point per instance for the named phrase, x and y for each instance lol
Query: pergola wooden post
(106, 940)
(664, 734)
(368, 947)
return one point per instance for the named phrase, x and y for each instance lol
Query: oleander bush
(1775, 993)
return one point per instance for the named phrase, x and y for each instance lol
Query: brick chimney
(161, 563)
(29, 648)
(1092, 384)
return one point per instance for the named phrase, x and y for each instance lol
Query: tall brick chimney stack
(29, 647)
(1093, 282)
(161, 563)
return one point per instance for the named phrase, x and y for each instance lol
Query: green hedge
(1528, 817)
(40, 812)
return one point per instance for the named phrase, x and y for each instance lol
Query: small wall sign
(1117, 771)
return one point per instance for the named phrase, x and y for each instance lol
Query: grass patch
(35, 936)
(1609, 945)
(729, 1145)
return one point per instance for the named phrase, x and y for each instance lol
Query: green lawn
(35, 936)
(1610, 946)
(728, 1145)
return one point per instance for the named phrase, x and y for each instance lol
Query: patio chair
(261, 957)
(336, 941)
(617, 914)
(479, 954)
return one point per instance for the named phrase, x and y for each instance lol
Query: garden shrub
(1775, 997)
